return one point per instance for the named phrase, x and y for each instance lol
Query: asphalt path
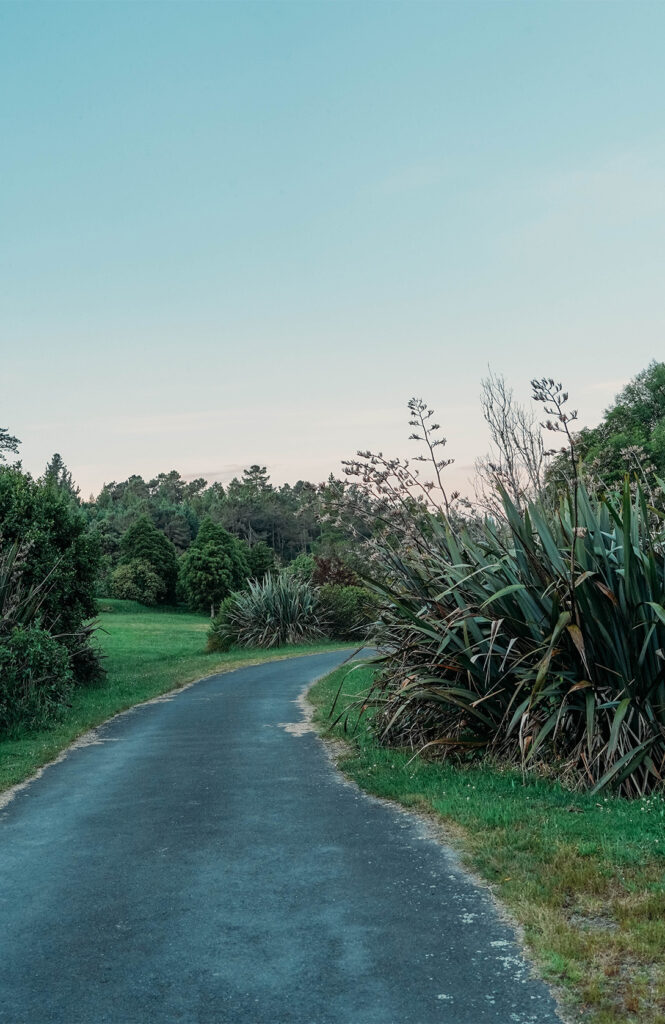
(203, 863)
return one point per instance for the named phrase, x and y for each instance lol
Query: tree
(57, 475)
(61, 559)
(631, 436)
(145, 542)
(261, 559)
(517, 456)
(215, 565)
(8, 443)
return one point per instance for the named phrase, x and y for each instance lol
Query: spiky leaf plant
(543, 642)
(280, 609)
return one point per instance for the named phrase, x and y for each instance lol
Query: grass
(148, 652)
(583, 875)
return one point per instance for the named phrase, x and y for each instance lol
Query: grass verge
(584, 876)
(148, 652)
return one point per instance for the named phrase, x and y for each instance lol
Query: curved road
(202, 864)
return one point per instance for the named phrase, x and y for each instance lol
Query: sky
(236, 233)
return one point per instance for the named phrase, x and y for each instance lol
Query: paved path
(204, 865)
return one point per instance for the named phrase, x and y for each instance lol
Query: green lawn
(148, 652)
(584, 875)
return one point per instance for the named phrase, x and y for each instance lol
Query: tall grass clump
(280, 609)
(539, 639)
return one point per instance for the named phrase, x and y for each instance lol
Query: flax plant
(538, 637)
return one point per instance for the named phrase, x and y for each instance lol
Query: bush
(278, 610)
(261, 559)
(145, 542)
(215, 565)
(302, 567)
(333, 570)
(346, 611)
(544, 645)
(137, 581)
(62, 557)
(221, 636)
(35, 679)
(54, 566)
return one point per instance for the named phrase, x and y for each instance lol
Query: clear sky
(250, 232)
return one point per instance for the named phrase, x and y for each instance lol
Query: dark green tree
(261, 560)
(57, 475)
(629, 439)
(62, 558)
(8, 444)
(145, 542)
(215, 565)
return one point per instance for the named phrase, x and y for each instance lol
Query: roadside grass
(148, 652)
(584, 876)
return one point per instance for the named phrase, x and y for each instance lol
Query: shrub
(48, 567)
(261, 560)
(333, 570)
(35, 679)
(544, 645)
(277, 610)
(215, 565)
(61, 556)
(346, 611)
(302, 567)
(145, 542)
(137, 581)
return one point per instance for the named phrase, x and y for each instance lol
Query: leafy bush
(35, 679)
(346, 611)
(261, 560)
(544, 646)
(63, 558)
(145, 542)
(48, 567)
(137, 581)
(333, 570)
(302, 567)
(277, 610)
(215, 564)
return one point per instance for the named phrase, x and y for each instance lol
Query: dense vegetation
(529, 624)
(162, 543)
(48, 568)
(536, 633)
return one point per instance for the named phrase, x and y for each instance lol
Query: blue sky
(250, 232)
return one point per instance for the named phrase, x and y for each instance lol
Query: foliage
(261, 559)
(59, 550)
(137, 581)
(302, 568)
(143, 541)
(496, 647)
(333, 570)
(630, 437)
(36, 679)
(286, 519)
(346, 611)
(215, 564)
(280, 609)
(39, 661)
(8, 444)
(57, 475)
